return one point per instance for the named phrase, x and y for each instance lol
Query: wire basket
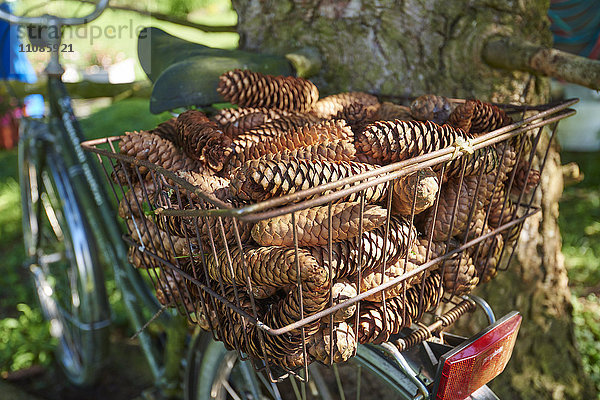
(289, 305)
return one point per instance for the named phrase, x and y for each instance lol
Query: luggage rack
(177, 264)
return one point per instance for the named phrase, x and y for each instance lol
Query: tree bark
(412, 47)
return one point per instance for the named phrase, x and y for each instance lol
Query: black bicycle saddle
(186, 74)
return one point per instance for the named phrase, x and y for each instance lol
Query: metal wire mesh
(278, 306)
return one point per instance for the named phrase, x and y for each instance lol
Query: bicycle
(68, 217)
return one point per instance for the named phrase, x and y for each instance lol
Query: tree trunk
(414, 47)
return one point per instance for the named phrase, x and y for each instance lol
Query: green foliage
(579, 222)
(25, 340)
(586, 315)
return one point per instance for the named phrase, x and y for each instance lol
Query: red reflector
(472, 365)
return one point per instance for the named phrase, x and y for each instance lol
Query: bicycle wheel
(212, 372)
(63, 260)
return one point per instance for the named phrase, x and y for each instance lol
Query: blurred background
(111, 95)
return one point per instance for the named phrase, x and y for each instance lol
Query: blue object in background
(14, 65)
(34, 106)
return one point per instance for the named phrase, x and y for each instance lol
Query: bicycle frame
(63, 131)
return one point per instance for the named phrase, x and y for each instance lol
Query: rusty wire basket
(279, 310)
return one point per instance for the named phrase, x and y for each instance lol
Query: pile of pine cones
(281, 139)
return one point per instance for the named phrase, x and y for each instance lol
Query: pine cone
(341, 291)
(526, 179)
(276, 127)
(501, 208)
(253, 89)
(390, 111)
(385, 142)
(460, 275)
(419, 187)
(312, 225)
(467, 202)
(189, 227)
(478, 117)
(166, 130)
(328, 107)
(485, 158)
(136, 201)
(399, 311)
(259, 180)
(235, 121)
(430, 107)
(345, 255)
(147, 235)
(507, 155)
(215, 186)
(374, 279)
(344, 343)
(202, 140)
(150, 147)
(486, 257)
(357, 116)
(267, 266)
(290, 309)
(459, 272)
(252, 147)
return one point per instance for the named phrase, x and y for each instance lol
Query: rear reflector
(466, 368)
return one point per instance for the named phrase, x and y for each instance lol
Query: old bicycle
(69, 221)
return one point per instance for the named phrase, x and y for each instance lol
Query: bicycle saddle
(186, 74)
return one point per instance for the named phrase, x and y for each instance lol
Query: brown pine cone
(525, 179)
(259, 180)
(385, 142)
(147, 235)
(460, 275)
(430, 107)
(507, 155)
(419, 187)
(213, 185)
(290, 309)
(173, 289)
(312, 225)
(486, 257)
(459, 272)
(485, 158)
(279, 126)
(150, 147)
(235, 121)
(166, 130)
(252, 147)
(137, 200)
(253, 89)
(346, 260)
(221, 229)
(341, 291)
(373, 279)
(373, 329)
(334, 150)
(267, 266)
(357, 116)
(399, 311)
(467, 202)
(202, 140)
(502, 208)
(328, 107)
(344, 343)
(478, 117)
(390, 111)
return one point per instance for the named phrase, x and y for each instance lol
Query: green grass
(580, 228)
